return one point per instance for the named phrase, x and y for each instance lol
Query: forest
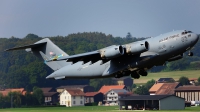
(19, 69)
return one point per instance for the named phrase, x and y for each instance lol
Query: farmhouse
(50, 96)
(112, 96)
(72, 97)
(163, 88)
(84, 88)
(93, 97)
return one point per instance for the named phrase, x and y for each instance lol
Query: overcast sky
(142, 18)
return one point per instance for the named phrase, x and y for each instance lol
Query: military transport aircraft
(132, 59)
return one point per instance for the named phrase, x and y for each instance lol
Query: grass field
(175, 74)
(89, 109)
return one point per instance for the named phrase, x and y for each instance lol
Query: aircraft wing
(86, 57)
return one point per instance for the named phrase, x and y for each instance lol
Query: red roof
(75, 92)
(6, 91)
(91, 93)
(104, 89)
(48, 89)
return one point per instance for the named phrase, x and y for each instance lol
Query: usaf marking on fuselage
(132, 59)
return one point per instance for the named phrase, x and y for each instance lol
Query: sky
(142, 18)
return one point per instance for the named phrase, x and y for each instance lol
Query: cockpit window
(186, 32)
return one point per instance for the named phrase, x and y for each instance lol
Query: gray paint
(161, 49)
(172, 103)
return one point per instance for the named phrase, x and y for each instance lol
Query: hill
(173, 74)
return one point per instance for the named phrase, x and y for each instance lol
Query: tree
(150, 83)
(128, 35)
(142, 90)
(184, 80)
(38, 95)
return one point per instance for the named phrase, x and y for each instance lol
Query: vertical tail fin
(46, 49)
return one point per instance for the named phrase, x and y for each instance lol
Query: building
(152, 102)
(127, 81)
(104, 89)
(5, 92)
(163, 88)
(94, 97)
(112, 96)
(193, 80)
(164, 80)
(72, 97)
(84, 88)
(50, 96)
(190, 92)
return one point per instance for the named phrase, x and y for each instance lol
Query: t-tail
(46, 50)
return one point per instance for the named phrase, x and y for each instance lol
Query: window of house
(74, 102)
(74, 97)
(81, 97)
(49, 98)
(65, 97)
(81, 102)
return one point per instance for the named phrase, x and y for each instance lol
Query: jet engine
(112, 52)
(137, 47)
(175, 58)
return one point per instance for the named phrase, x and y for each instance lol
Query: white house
(112, 96)
(72, 97)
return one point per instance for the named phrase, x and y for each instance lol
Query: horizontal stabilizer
(27, 46)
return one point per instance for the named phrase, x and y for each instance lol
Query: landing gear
(142, 73)
(117, 76)
(135, 75)
(190, 53)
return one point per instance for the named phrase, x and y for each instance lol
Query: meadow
(89, 109)
(174, 74)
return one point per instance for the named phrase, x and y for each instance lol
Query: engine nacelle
(137, 47)
(112, 52)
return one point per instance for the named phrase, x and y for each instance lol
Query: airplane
(132, 59)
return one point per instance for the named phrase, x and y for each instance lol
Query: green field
(88, 109)
(175, 74)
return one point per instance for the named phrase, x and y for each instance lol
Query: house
(72, 97)
(104, 89)
(127, 81)
(164, 80)
(93, 97)
(191, 93)
(50, 96)
(112, 96)
(193, 80)
(163, 88)
(152, 102)
(84, 88)
(5, 92)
